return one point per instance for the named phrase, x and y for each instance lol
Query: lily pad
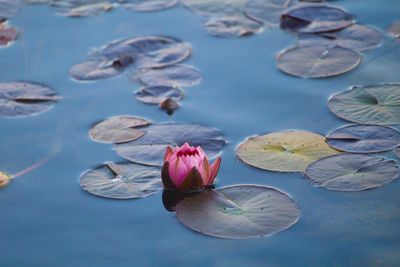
(236, 212)
(356, 37)
(290, 151)
(317, 61)
(122, 181)
(24, 99)
(176, 76)
(215, 8)
(8, 34)
(376, 104)
(4, 179)
(232, 26)
(9, 8)
(81, 8)
(316, 18)
(267, 11)
(158, 94)
(394, 29)
(352, 172)
(93, 70)
(118, 129)
(150, 148)
(364, 138)
(148, 5)
(146, 51)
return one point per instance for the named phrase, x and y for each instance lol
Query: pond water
(46, 219)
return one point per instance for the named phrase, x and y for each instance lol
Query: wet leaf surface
(356, 37)
(314, 19)
(290, 151)
(81, 8)
(148, 5)
(376, 104)
(268, 11)
(122, 181)
(232, 26)
(25, 99)
(317, 61)
(118, 129)
(236, 212)
(94, 70)
(176, 76)
(150, 148)
(215, 8)
(364, 138)
(158, 94)
(9, 8)
(352, 172)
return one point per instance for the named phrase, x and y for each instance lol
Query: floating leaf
(158, 94)
(232, 26)
(4, 179)
(146, 51)
(290, 151)
(93, 70)
(215, 8)
(242, 211)
(24, 99)
(9, 8)
(8, 34)
(81, 8)
(352, 172)
(364, 138)
(174, 76)
(148, 5)
(314, 19)
(317, 61)
(118, 129)
(394, 29)
(376, 104)
(122, 181)
(267, 11)
(356, 37)
(150, 148)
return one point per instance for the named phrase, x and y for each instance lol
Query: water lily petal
(214, 170)
(168, 153)
(177, 171)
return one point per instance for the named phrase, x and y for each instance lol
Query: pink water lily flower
(187, 168)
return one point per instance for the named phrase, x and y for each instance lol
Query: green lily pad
(352, 172)
(150, 148)
(9, 8)
(376, 104)
(268, 11)
(236, 212)
(158, 94)
(93, 70)
(4, 179)
(215, 8)
(148, 5)
(118, 129)
(364, 138)
(232, 26)
(356, 37)
(317, 61)
(122, 181)
(176, 76)
(25, 99)
(290, 151)
(316, 18)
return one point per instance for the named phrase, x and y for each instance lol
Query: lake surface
(46, 219)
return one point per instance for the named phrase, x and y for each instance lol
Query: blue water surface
(47, 220)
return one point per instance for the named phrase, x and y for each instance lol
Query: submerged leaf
(376, 104)
(364, 138)
(232, 26)
(150, 148)
(241, 211)
(316, 18)
(24, 99)
(122, 181)
(176, 76)
(317, 61)
(118, 129)
(352, 172)
(289, 151)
